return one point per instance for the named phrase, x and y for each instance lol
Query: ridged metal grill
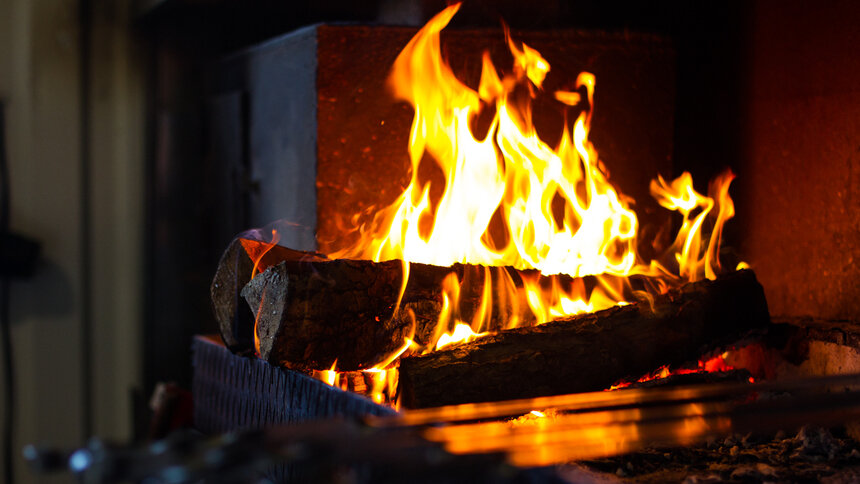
(233, 392)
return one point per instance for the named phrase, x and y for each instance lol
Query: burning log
(587, 352)
(235, 320)
(313, 313)
(317, 310)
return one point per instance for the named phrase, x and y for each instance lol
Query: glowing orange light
(256, 250)
(510, 199)
(560, 214)
(712, 365)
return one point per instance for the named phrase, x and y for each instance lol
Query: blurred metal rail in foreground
(482, 442)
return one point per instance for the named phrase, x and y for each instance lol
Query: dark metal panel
(230, 179)
(234, 392)
(281, 80)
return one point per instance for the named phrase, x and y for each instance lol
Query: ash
(815, 454)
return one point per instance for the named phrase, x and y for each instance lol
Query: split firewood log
(347, 307)
(235, 319)
(313, 314)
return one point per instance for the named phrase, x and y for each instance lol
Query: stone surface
(800, 184)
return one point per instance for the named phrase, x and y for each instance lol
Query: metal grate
(234, 392)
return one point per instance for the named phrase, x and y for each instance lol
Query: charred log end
(738, 304)
(235, 320)
(313, 313)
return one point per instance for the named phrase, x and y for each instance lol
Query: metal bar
(591, 433)
(395, 449)
(607, 400)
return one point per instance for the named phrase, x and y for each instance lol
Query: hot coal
(695, 379)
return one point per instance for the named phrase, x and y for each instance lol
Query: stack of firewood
(310, 312)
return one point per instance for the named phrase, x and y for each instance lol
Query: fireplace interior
(679, 90)
(262, 115)
(738, 89)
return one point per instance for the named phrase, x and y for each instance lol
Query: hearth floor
(814, 454)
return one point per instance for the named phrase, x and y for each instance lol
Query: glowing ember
(712, 365)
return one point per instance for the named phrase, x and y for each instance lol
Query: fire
(711, 365)
(511, 171)
(258, 250)
(329, 376)
(379, 382)
(449, 315)
(462, 333)
(680, 196)
(512, 200)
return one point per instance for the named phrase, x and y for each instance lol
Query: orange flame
(693, 261)
(511, 173)
(510, 199)
(330, 376)
(256, 250)
(462, 333)
(256, 324)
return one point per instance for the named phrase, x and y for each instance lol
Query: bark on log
(235, 319)
(588, 352)
(313, 313)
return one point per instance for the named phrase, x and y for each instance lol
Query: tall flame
(559, 213)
